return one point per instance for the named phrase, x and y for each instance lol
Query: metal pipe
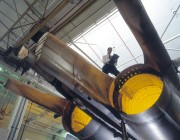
(72, 117)
(138, 21)
(158, 120)
(72, 69)
(67, 109)
(50, 102)
(164, 112)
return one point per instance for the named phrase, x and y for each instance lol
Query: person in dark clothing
(110, 63)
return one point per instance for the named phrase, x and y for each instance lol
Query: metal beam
(10, 29)
(74, 15)
(58, 8)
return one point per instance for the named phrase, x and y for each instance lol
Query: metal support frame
(13, 40)
(45, 21)
(16, 119)
(10, 29)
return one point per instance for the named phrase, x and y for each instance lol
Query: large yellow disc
(140, 92)
(79, 120)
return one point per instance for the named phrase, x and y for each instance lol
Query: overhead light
(1, 69)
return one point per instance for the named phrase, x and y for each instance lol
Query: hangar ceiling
(20, 20)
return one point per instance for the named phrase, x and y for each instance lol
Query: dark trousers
(109, 68)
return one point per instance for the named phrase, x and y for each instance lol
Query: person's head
(109, 50)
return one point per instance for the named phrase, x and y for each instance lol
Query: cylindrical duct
(141, 26)
(66, 65)
(74, 119)
(138, 92)
(51, 102)
(156, 55)
(83, 126)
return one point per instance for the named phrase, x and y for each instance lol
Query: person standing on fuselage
(110, 63)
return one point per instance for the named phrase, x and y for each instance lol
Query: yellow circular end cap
(79, 120)
(140, 92)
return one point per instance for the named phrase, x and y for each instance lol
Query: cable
(170, 21)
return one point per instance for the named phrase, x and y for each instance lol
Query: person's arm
(105, 59)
